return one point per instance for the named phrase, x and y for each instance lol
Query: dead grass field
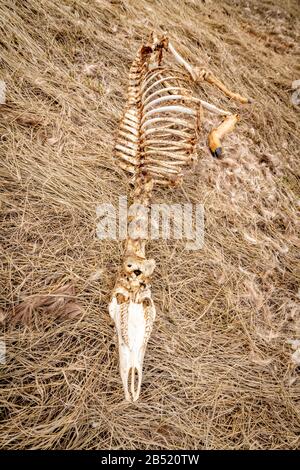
(220, 370)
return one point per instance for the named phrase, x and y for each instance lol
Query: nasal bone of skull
(132, 353)
(131, 374)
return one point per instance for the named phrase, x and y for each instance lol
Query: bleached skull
(133, 312)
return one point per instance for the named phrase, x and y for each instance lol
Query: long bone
(198, 75)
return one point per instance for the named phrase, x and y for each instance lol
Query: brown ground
(220, 371)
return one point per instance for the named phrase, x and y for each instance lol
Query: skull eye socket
(146, 303)
(129, 265)
(120, 299)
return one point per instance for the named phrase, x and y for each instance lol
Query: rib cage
(159, 128)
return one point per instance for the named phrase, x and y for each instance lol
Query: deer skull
(133, 312)
(134, 323)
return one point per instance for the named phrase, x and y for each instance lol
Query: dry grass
(219, 371)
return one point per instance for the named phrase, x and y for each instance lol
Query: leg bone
(216, 134)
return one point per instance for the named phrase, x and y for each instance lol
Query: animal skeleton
(157, 137)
